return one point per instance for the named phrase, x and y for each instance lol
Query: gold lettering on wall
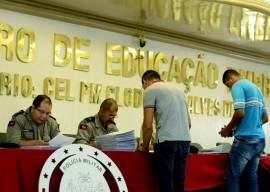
(204, 106)
(141, 59)
(138, 95)
(111, 93)
(175, 70)
(240, 22)
(130, 96)
(68, 96)
(47, 84)
(266, 86)
(26, 45)
(148, 57)
(6, 38)
(176, 9)
(127, 97)
(16, 84)
(187, 62)
(260, 26)
(203, 15)
(58, 88)
(217, 106)
(258, 80)
(5, 83)
(200, 73)
(162, 7)
(27, 86)
(129, 59)
(215, 15)
(62, 50)
(78, 54)
(227, 108)
(261, 80)
(212, 75)
(92, 90)
(112, 59)
(62, 89)
(235, 20)
(161, 58)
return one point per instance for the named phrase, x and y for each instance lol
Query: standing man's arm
(264, 118)
(147, 128)
(189, 121)
(237, 117)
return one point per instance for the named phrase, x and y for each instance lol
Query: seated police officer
(34, 126)
(100, 124)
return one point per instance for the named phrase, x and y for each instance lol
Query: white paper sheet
(61, 140)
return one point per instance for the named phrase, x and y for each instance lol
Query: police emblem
(83, 169)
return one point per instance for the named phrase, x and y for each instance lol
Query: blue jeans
(243, 161)
(171, 157)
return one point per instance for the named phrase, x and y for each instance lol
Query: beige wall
(205, 127)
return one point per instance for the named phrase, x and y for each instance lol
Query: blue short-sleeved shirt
(248, 96)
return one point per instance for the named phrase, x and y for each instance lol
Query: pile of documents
(217, 149)
(118, 141)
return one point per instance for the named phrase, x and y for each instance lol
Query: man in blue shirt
(249, 139)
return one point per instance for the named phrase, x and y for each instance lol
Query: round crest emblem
(83, 169)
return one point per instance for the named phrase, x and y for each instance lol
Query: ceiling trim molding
(86, 19)
(256, 5)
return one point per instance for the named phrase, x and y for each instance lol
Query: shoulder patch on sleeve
(83, 126)
(18, 113)
(11, 123)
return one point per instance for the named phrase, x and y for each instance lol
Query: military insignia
(83, 127)
(112, 122)
(53, 117)
(11, 123)
(90, 119)
(18, 113)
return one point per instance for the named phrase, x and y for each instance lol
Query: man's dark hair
(150, 75)
(228, 73)
(107, 103)
(40, 98)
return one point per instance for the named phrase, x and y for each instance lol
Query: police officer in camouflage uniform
(100, 124)
(34, 126)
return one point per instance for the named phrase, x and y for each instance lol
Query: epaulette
(112, 122)
(53, 117)
(18, 113)
(90, 119)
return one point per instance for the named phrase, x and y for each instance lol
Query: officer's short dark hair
(150, 75)
(42, 98)
(107, 103)
(228, 73)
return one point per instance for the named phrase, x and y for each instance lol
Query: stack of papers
(217, 149)
(120, 141)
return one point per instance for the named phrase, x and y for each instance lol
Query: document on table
(61, 140)
(57, 142)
